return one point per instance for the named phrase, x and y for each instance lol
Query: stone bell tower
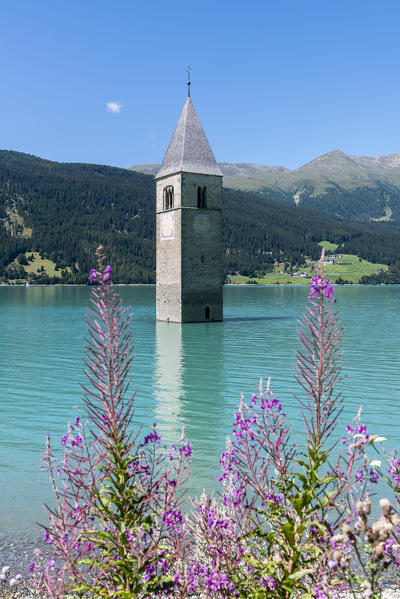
(189, 271)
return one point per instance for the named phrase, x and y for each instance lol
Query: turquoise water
(186, 375)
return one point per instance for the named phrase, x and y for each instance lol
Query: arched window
(199, 197)
(168, 198)
(204, 197)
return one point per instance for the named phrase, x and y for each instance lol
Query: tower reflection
(189, 393)
(169, 379)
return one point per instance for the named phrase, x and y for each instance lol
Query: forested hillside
(64, 211)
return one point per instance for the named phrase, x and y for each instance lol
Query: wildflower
(93, 275)
(270, 583)
(373, 476)
(128, 535)
(320, 287)
(152, 437)
(107, 273)
(5, 569)
(31, 567)
(186, 450)
(47, 537)
(359, 475)
(76, 441)
(319, 593)
(64, 440)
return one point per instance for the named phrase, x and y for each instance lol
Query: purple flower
(359, 475)
(173, 519)
(107, 273)
(64, 440)
(152, 437)
(394, 470)
(51, 563)
(77, 421)
(269, 583)
(31, 567)
(76, 441)
(186, 449)
(47, 537)
(373, 476)
(320, 287)
(128, 535)
(319, 593)
(93, 275)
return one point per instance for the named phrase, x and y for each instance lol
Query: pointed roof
(189, 150)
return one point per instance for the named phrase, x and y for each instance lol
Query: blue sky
(274, 82)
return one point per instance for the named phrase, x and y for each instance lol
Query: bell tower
(189, 268)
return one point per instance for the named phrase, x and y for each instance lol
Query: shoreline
(18, 551)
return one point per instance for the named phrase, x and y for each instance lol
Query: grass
(329, 247)
(272, 278)
(38, 262)
(387, 217)
(350, 268)
(353, 270)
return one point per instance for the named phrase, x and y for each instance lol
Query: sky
(273, 82)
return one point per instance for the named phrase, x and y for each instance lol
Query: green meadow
(348, 267)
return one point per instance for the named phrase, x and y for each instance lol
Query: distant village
(330, 259)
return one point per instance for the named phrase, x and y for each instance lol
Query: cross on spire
(188, 80)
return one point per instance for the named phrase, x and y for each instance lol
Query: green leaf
(300, 574)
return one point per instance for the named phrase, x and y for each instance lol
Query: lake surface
(188, 375)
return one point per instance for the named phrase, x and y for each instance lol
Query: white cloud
(113, 107)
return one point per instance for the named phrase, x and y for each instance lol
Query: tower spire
(188, 80)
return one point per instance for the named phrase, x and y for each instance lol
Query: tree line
(64, 211)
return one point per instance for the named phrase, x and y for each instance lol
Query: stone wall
(190, 263)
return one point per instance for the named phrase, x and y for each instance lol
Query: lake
(187, 375)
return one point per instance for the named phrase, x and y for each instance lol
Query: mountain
(63, 211)
(357, 188)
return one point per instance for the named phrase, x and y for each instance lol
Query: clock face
(167, 225)
(201, 223)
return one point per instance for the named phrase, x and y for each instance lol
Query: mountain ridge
(230, 168)
(357, 188)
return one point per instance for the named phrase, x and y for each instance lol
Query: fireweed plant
(116, 524)
(289, 520)
(270, 535)
(276, 527)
